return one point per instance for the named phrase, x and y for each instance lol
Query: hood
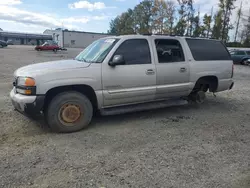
(52, 66)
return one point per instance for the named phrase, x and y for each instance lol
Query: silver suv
(121, 74)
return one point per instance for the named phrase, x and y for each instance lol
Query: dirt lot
(205, 146)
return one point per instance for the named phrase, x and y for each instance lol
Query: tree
(197, 28)
(216, 33)
(163, 16)
(239, 13)
(142, 14)
(123, 24)
(113, 25)
(190, 17)
(159, 16)
(170, 16)
(181, 25)
(247, 32)
(206, 25)
(226, 7)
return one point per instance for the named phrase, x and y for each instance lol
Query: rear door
(172, 69)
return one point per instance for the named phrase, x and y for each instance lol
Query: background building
(24, 38)
(74, 39)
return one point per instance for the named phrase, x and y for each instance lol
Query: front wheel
(69, 112)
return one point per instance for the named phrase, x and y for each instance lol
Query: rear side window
(169, 51)
(208, 50)
(248, 52)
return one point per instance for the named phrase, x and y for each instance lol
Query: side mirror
(117, 60)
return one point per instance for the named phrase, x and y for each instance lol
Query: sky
(35, 16)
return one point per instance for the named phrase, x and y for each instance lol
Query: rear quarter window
(208, 50)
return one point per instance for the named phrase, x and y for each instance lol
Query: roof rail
(159, 34)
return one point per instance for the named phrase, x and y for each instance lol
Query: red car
(47, 46)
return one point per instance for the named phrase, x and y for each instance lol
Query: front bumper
(30, 105)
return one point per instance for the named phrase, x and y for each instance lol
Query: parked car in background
(240, 56)
(47, 47)
(10, 42)
(122, 74)
(3, 44)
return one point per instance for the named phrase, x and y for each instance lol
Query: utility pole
(238, 22)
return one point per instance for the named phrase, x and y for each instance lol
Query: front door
(172, 69)
(133, 82)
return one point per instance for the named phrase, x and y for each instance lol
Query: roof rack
(158, 34)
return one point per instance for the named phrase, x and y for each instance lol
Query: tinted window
(248, 52)
(208, 50)
(240, 53)
(135, 51)
(169, 51)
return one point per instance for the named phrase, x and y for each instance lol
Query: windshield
(97, 51)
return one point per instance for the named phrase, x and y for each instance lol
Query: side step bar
(142, 107)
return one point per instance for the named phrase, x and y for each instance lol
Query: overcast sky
(90, 15)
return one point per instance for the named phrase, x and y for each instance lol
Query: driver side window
(135, 51)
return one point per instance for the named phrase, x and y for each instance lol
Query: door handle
(150, 72)
(183, 69)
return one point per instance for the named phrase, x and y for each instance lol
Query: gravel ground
(187, 146)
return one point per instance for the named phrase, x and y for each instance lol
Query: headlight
(26, 81)
(26, 86)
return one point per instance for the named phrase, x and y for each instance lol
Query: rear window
(208, 50)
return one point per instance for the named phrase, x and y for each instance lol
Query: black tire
(197, 97)
(1, 46)
(54, 117)
(244, 62)
(55, 50)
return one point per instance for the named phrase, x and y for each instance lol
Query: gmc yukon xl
(121, 74)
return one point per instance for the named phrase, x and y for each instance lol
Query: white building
(74, 39)
(20, 38)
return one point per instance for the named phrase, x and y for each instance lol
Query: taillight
(232, 71)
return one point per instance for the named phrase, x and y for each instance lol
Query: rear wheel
(197, 97)
(55, 50)
(69, 112)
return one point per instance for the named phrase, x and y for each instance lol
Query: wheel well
(244, 59)
(84, 89)
(206, 82)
